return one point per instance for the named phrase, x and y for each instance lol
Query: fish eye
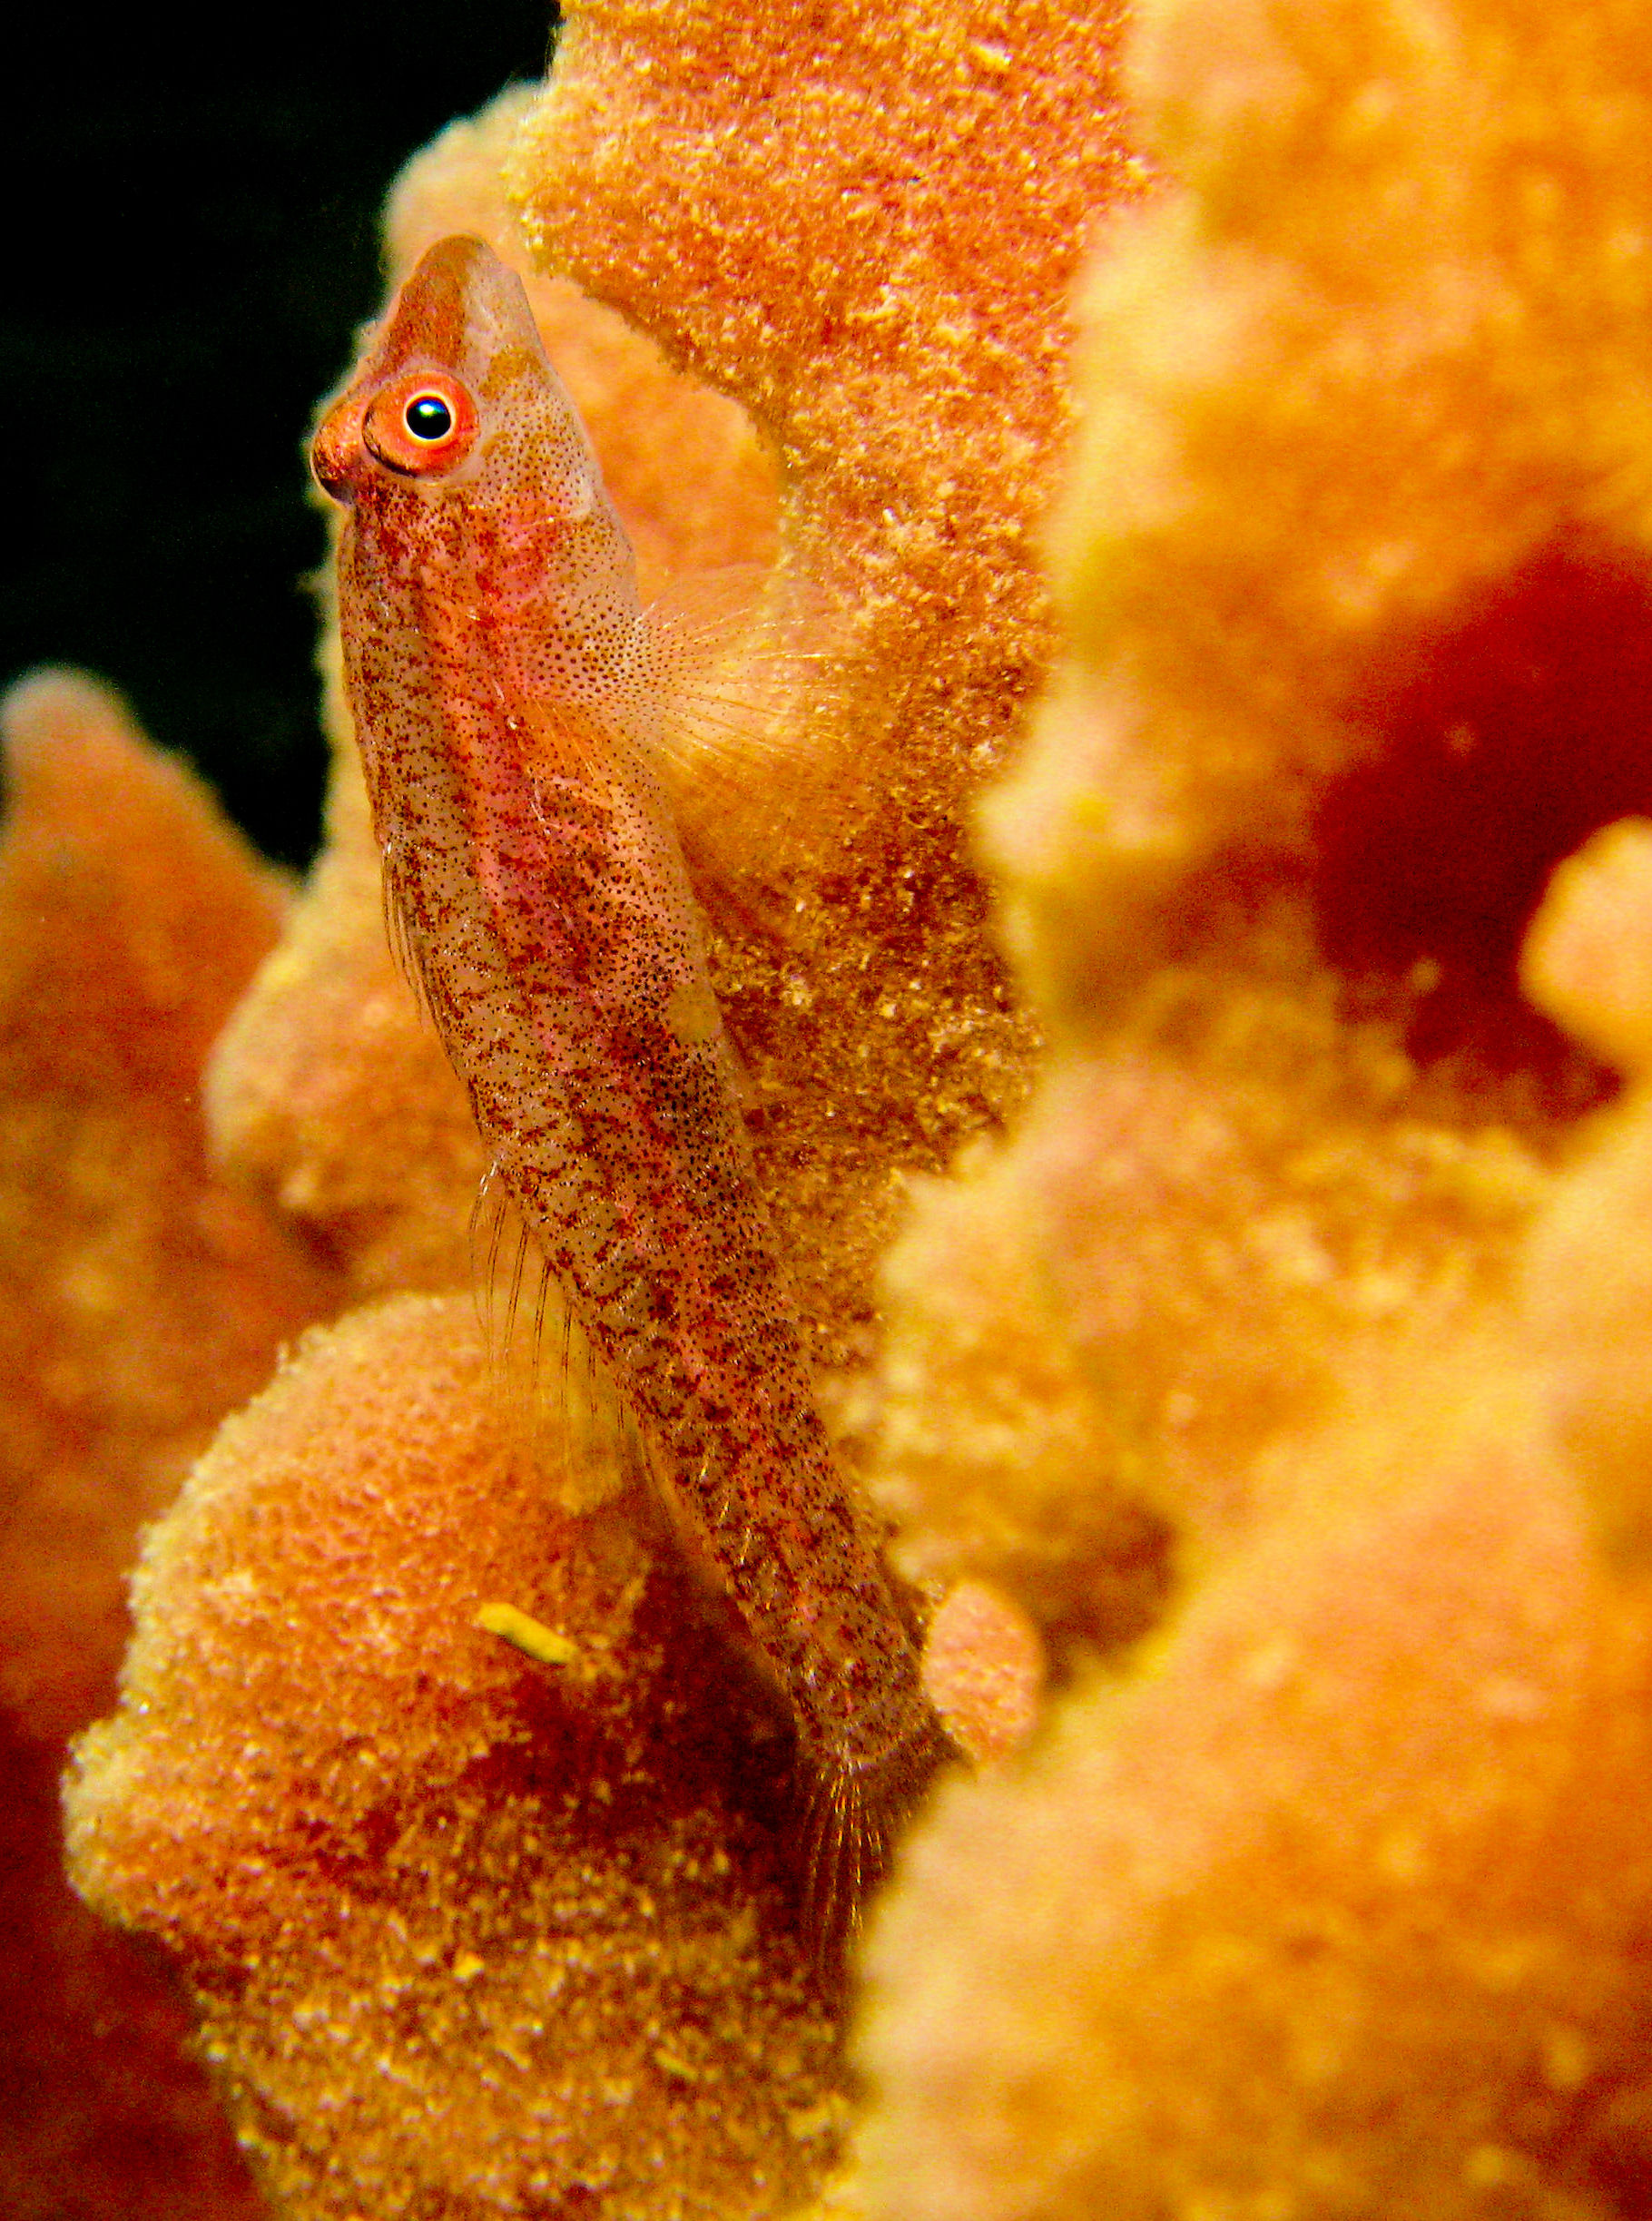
(427, 417)
(422, 424)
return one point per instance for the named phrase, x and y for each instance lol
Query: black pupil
(428, 416)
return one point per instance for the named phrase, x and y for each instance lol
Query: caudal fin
(855, 1816)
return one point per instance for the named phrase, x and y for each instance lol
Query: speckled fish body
(508, 708)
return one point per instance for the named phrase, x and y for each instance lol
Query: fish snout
(334, 449)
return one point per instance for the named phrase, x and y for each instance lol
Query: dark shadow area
(1495, 748)
(103, 2111)
(194, 242)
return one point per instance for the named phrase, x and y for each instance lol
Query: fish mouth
(329, 454)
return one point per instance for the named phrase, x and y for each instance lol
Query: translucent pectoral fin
(749, 665)
(744, 657)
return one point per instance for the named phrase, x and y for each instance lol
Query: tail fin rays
(854, 1816)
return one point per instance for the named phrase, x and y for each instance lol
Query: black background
(191, 242)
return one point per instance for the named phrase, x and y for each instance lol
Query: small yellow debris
(466, 1967)
(669, 2063)
(528, 1635)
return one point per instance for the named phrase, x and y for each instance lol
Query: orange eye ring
(421, 426)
